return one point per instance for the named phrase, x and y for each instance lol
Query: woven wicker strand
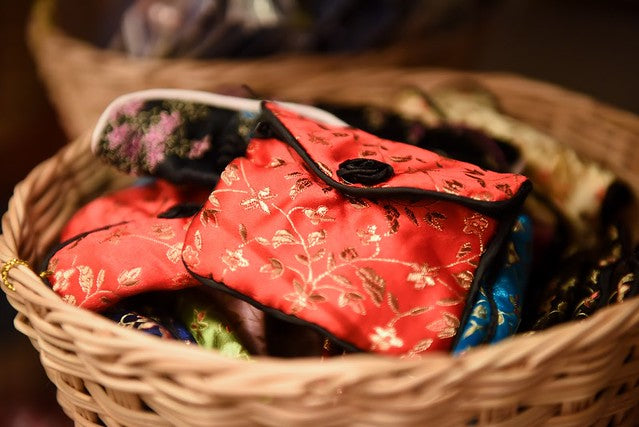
(577, 374)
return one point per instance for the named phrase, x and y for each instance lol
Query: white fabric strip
(206, 98)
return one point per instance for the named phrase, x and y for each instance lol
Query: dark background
(585, 45)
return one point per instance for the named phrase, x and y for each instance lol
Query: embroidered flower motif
(199, 147)
(62, 279)
(259, 200)
(318, 215)
(234, 259)
(475, 224)
(385, 338)
(422, 276)
(302, 299)
(190, 256)
(369, 235)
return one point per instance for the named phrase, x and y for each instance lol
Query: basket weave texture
(577, 374)
(82, 79)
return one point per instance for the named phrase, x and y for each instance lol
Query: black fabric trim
(208, 281)
(55, 249)
(493, 209)
(181, 210)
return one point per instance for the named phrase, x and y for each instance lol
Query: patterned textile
(384, 260)
(138, 250)
(502, 298)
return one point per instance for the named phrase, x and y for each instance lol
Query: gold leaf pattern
(299, 186)
(130, 277)
(464, 250)
(208, 216)
(411, 216)
(276, 163)
(162, 231)
(302, 259)
(401, 159)
(446, 327)
(99, 280)
(214, 201)
(421, 346)
(465, 279)
(283, 237)
(373, 284)
(392, 302)
(348, 254)
(243, 232)
(86, 278)
(449, 302)
(392, 216)
(316, 238)
(275, 268)
(262, 241)
(318, 255)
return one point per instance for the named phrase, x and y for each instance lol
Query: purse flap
(362, 165)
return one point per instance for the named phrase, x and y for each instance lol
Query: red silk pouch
(124, 244)
(378, 245)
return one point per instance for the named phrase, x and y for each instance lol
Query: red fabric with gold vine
(138, 252)
(387, 267)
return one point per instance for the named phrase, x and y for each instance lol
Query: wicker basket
(82, 79)
(577, 374)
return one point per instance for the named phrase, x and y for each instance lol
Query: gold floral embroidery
(435, 220)
(302, 298)
(318, 215)
(190, 256)
(422, 276)
(384, 338)
(62, 278)
(233, 259)
(259, 200)
(476, 224)
(369, 235)
(130, 277)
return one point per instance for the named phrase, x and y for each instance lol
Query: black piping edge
(493, 209)
(208, 281)
(55, 249)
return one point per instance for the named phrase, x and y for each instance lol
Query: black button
(364, 171)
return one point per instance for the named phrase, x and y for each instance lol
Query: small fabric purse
(378, 245)
(124, 244)
(503, 298)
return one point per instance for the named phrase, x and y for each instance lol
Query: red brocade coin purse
(379, 245)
